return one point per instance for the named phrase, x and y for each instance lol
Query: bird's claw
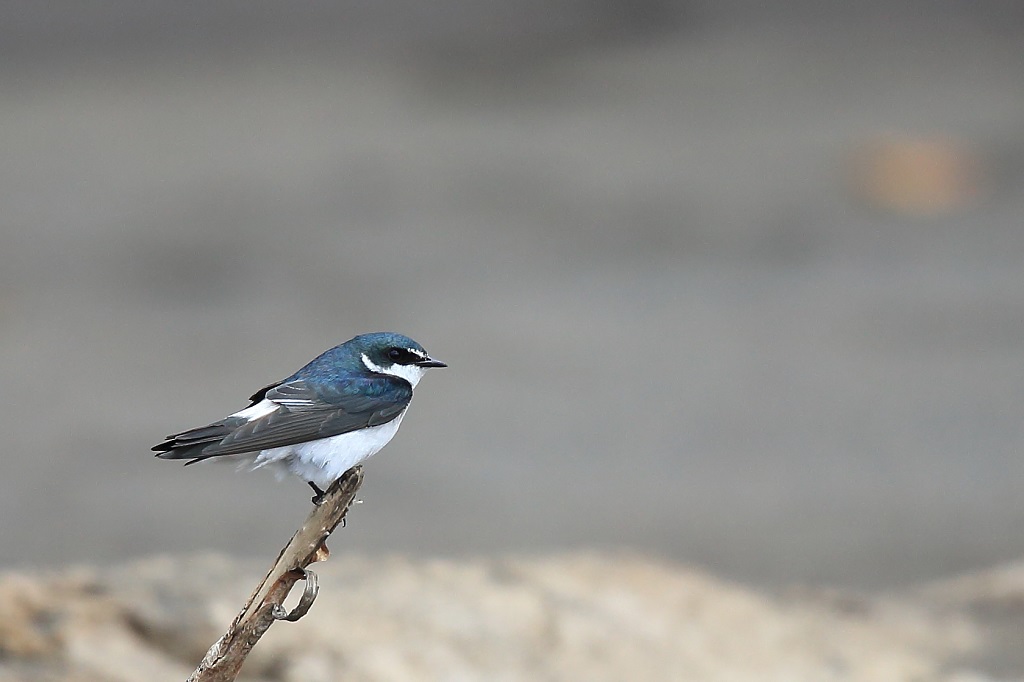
(318, 497)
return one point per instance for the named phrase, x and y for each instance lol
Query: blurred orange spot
(924, 176)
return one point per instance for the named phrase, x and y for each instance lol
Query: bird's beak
(430, 362)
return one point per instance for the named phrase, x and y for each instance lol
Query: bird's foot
(318, 497)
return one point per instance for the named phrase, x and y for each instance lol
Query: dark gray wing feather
(262, 393)
(306, 413)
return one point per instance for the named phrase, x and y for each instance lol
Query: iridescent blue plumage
(340, 408)
(345, 360)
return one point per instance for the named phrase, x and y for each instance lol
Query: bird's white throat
(411, 373)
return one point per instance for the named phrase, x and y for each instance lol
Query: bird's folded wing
(305, 413)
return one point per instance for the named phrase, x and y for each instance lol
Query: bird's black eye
(403, 356)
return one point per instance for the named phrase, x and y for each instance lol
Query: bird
(341, 408)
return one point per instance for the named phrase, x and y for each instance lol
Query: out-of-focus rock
(571, 617)
(994, 601)
(917, 175)
(70, 626)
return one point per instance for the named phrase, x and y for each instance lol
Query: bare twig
(224, 659)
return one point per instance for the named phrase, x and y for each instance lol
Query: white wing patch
(260, 409)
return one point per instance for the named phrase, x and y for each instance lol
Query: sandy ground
(670, 325)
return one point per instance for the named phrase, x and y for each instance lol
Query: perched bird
(342, 407)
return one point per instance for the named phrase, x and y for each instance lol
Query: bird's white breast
(323, 461)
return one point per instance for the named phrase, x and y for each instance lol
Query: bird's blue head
(378, 352)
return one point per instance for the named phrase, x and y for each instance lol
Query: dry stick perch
(224, 659)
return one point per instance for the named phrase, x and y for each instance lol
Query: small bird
(341, 408)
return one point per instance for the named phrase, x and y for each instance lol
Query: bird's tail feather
(191, 444)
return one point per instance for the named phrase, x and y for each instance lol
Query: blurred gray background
(732, 283)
